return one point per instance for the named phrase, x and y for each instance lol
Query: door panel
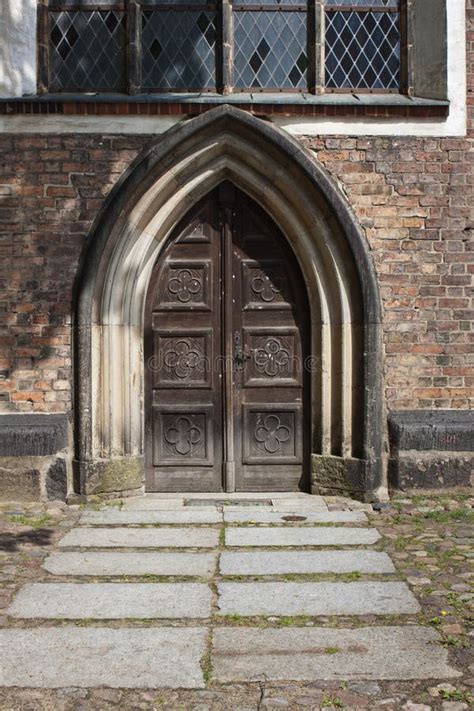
(270, 312)
(183, 409)
(226, 337)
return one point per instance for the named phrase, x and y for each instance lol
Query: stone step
(145, 503)
(141, 538)
(325, 598)
(111, 601)
(318, 536)
(309, 503)
(291, 518)
(281, 500)
(115, 517)
(99, 656)
(318, 654)
(127, 563)
(281, 562)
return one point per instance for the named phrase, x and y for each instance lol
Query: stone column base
(122, 476)
(339, 476)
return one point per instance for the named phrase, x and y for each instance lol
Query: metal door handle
(240, 356)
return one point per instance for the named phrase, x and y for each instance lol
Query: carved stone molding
(151, 197)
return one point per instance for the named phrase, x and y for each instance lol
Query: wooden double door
(226, 338)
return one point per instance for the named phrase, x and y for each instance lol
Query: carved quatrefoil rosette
(271, 433)
(266, 285)
(271, 358)
(185, 285)
(182, 358)
(183, 435)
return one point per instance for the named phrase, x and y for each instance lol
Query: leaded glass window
(225, 45)
(87, 50)
(362, 44)
(270, 45)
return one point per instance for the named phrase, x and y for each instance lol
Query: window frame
(133, 84)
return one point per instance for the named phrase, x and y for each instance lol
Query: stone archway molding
(157, 190)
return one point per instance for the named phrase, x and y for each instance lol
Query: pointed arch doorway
(226, 343)
(174, 173)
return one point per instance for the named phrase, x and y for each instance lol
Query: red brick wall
(413, 197)
(51, 188)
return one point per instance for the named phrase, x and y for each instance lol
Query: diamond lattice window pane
(362, 3)
(148, 4)
(87, 50)
(270, 50)
(276, 3)
(179, 49)
(362, 50)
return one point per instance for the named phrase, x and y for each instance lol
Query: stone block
(112, 475)
(303, 562)
(56, 480)
(20, 484)
(111, 601)
(436, 471)
(114, 517)
(288, 598)
(103, 657)
(162, 537)
(323, 654)
(301, 536)
(290, 518)
(125, 563)
(339, 475)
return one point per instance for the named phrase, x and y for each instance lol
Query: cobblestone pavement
(313, 628)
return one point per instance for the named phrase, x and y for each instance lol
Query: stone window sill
(347, 104)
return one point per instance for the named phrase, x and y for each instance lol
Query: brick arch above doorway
(151, 197)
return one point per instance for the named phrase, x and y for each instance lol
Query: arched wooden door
(226, 338)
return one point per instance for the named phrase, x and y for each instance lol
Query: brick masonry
(412, 196)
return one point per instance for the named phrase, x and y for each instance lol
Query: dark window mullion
(42, 50)
(134, 47)
(406, 58)
(315, 72)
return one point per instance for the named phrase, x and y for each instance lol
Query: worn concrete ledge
(33, 435)
(439, 430)
(431, 449)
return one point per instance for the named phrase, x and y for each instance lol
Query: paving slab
(92, 657)
(299, 654)
(146, 503)
(292, 518)
(288, 598)
(314, 503)
(111, 601)
(318, 536)
(127, 563)
(140, 538)
(281, 562)
(114, 517)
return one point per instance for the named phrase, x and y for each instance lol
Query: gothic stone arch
(157, 190)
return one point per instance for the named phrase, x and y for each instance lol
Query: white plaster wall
(18, 69)
(17, 47)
